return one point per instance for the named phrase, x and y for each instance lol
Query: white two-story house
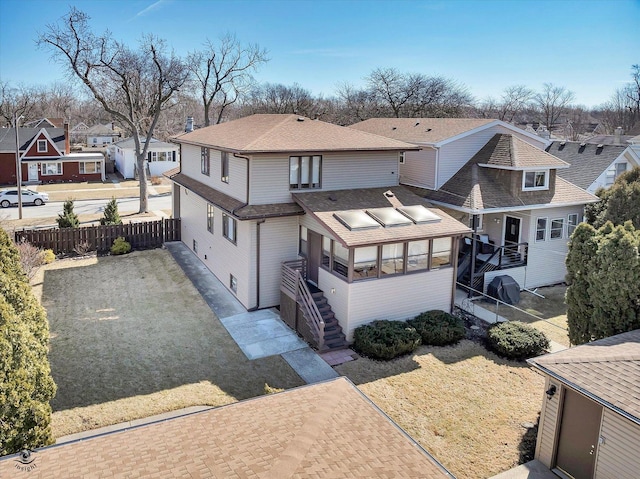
(310, 216)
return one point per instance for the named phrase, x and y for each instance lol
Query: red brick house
(45, 157)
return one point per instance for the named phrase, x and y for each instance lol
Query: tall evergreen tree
(26, 385)
(68, 219)
(619, 203)
(111, 215)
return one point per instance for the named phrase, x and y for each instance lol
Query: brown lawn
(131, 337)
(463, 404)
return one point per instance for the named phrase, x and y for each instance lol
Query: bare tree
(632, 92)
(133, 86)
(356, 104)
(278, 98)
(552, 102)
(514, 100)
(223, 73)
(19, 101)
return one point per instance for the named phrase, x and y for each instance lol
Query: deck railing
(294, 285)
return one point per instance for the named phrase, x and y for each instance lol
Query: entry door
(511, 232)
(314, 255)
(33, 171)
(578, 437)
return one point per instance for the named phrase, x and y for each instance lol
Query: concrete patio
(531, 470)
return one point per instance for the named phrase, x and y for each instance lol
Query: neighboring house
(161, 157)
(590, 418)
(45, 157)
(46, 123)
(264, 190)
(102, 135)
(593, 166)
(501, 176)
(79, 133)
(324, 430)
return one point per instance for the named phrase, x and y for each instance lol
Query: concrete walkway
(531, 470)
(258, 333)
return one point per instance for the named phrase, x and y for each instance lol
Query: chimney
(67, 140)
(189, 126)
(617, 136)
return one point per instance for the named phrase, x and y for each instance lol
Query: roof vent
(394, 128)
(582, 145)
(600, 145)
(389, 194)
(333, 197)
(428, 130)
(417, 123)
(301, 118)
(563, 142)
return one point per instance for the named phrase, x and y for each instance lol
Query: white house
(501, 176)
(161, 157)
(307, 215)
(102, 135)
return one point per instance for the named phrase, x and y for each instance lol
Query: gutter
(246, 203)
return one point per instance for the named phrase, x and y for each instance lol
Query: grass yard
(463, 404)
(550, 312)
(131, 337)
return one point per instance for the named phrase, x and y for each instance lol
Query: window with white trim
(204, 161)
(229, 228)
(152, 156)
(224, 166)
(572, 222)
(621, 168)
(210, 212)
(557, 228)
(402, 157)
(42, 146)
(304, 172)
(535, 180)
(50, 169)
(541, 229)
(89, 167)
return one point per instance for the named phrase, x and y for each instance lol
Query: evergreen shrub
(384, 339)
(438, 328)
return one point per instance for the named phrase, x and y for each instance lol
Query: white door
(33, 171)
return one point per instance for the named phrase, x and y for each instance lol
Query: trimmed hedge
(516, 340)
(438, 328)
(384, 339)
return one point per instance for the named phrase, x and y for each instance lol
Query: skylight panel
(356, 220)
(419, 214)
(389, 217)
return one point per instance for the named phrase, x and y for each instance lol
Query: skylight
(389, 217)
(419, 214)
(356, 220)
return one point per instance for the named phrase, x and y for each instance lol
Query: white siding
(619, 456)
(546, 259)
(278, 243)
(398, 298)
(270, 174)
(455, 154)
(156, 168)
(312, 224)
(548, 425)
(222, 257)
(419, 168)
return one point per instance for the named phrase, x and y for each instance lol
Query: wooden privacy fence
(148, 234)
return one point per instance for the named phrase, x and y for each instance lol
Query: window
(541, 229)
(557, 228)
(152, 156)
(204, 161)
(418, 255)
(229, 228)
(169, 156)
(233, 283)
(402, 157)
(620, 168)
(303, 241)
(48, 169)
(365, 262)
(441, 255)
(224, 166)
(535, 180)
(88, 167)
(393, 259)
(572, 222)
(479, 220)
(326, 251)
(340, 259)
(42, 146)
(210, 211)
(304, 172)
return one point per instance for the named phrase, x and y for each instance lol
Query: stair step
(329, 318)
(317, 294)
(321, 302)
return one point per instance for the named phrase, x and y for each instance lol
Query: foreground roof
(420, 130)
(267, 133)
(328, 429)
(588, 161)
(608, 370)
(324, 205)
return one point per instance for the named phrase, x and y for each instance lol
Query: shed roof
(587, 161)
(267, 133)
(324, 204)
(607, 369)
(329, 429)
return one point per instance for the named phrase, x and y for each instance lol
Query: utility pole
(18, 164)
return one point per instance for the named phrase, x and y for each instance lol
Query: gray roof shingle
(25, 135)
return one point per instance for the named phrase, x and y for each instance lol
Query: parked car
(10, 197)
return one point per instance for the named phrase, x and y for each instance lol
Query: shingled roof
(490, 193)
(267, 133)
(322, 206)
(25, 136)
(587, 161)
(607, 369)
(329, 429)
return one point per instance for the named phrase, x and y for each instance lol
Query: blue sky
(587, 46)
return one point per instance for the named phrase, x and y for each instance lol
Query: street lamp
(18, 165)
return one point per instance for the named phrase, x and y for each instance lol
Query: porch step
(334, 337)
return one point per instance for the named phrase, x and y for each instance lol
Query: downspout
(437, 181)
(258, 223)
